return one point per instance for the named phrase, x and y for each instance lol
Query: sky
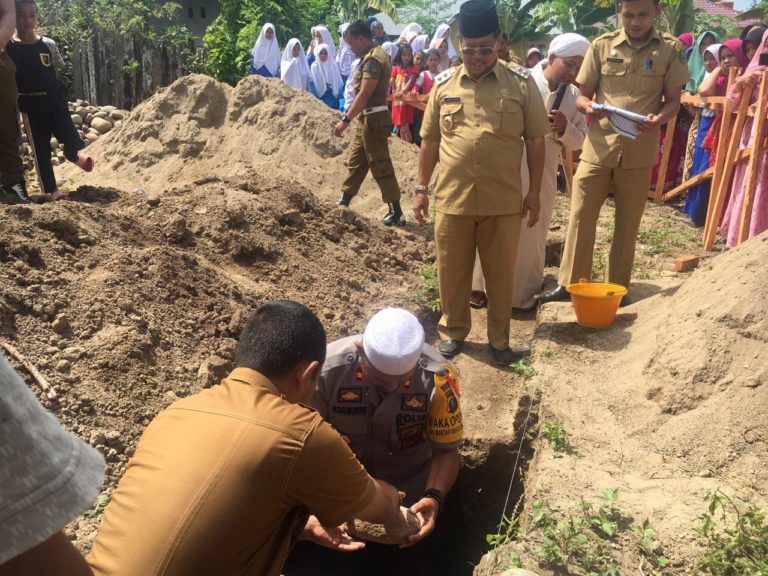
(742, 4)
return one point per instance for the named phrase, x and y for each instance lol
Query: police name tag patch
(352, 394)
(616, 60)
(414, 402)
(452, 100)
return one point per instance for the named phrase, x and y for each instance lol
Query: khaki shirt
(222, 483)
(633, 77)
(374, 66)
(480, 125)
(392, 433)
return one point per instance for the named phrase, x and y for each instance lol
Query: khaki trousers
(370, 150)
(591, 186)
(457, 238)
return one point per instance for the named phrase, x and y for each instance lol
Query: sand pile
(198, 128)
(708, 367)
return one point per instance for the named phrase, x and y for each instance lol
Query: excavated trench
(476, 504)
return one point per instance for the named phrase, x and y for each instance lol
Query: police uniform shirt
(634, 77)
(391, 433)
(480, 125)
(374, 66)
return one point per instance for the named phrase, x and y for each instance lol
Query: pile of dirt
(198, 128)
(665, 405)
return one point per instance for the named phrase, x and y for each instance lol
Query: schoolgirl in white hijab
(345, 57)
(294, 70)
(420, 42)
(326, 78)
(265, 56)
(409, 33)
(443, 34)
(321, 35)
(391, 49)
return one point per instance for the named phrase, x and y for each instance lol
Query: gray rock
(101, 125)
(73, 353)
(292, 218)
(63, 366)
(175, 229)
(396, 532)
(77, 120)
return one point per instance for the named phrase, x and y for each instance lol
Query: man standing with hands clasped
(641, 70)
(477, 120)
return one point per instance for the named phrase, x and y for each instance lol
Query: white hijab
(345, 56)
(420, 42)
(327, 40)
(326, 74)
(294, 71)
(266, 52)
(443, 33)
(409, 33)
(391, 50)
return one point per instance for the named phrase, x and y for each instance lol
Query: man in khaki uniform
(641, 70)
(370, 149)
(478, 118)
(396, 401)
(224, 482)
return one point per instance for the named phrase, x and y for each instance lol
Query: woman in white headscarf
(265, 56)
(325, 79)
(420, 43)
(345, 57)
(441, 42)
(391, 49)
(409, 33)
(294, 70)
(320, 35)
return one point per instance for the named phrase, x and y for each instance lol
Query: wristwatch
(345, 119)
(437, 496)
(422, 188)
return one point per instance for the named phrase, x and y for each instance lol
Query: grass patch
(523, 368)
(554, 432)
(428, 292)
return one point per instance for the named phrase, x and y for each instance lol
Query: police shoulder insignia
(520, 71)
(372, 66)
(443, 77)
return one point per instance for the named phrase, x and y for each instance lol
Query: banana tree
(349, 10)
(587, 18)
(680, 15)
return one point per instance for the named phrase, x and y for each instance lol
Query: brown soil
(208, 200)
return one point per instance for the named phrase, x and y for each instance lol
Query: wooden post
(658, 192)
(722, 182)
(754, 161)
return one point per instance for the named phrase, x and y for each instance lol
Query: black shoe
(394, 219)
(449, 348)
(345, 200)
(20, 190)
(556, 294)
(510, 355)
(626, 301)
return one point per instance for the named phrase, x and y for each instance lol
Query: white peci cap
(393, 340)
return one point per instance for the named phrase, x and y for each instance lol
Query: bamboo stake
(39, 378)
(754, 162)
(664, 163)
(741, 155)
(724, 181)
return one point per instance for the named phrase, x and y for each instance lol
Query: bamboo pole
(724, 167)
(741, 155)
(39, 378)
(658, 192)
(754, 161)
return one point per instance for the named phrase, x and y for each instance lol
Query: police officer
(396, 402)
(638, 69)
(478, 117)
(370, 148)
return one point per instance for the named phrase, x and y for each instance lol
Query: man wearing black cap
(477, 119)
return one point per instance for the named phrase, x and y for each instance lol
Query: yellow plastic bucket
(596, 303)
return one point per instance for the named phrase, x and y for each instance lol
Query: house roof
(721, 9)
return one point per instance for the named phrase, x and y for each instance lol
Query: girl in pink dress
(732, 217)
(404, 75)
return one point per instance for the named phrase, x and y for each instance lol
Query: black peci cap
(478, 18)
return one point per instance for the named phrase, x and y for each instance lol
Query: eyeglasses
(482, 50)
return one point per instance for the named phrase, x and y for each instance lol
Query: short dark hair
(433, 52)
(399, 58)
(277, 336)
(19, 3)
(359, 28)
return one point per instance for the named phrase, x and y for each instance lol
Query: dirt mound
(127, 301)
(708, 368)
(198, 128)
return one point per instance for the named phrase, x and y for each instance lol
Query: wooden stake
(741, 155)
(713, 216)
(664, 163)
(39, 378)
(754, 162)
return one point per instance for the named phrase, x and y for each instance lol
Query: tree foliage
(586, 18)
(349, 10)
(429, 13)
